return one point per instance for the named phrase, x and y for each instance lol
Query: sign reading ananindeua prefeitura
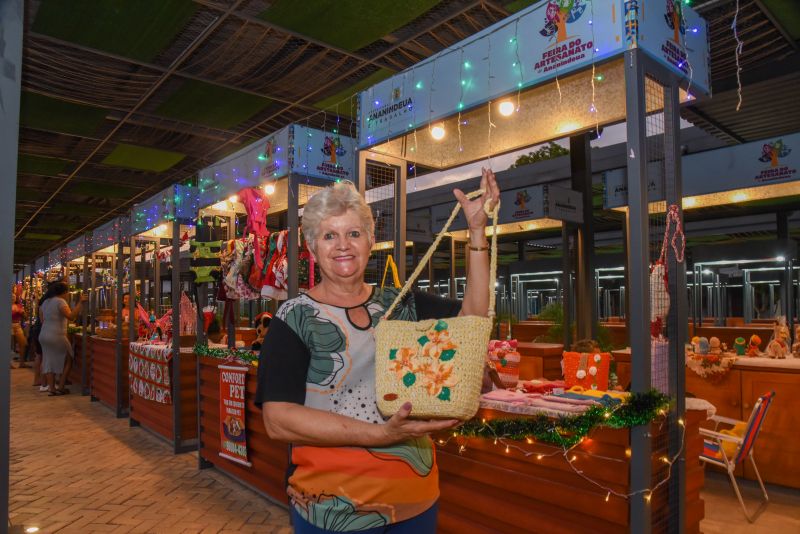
(232, 432)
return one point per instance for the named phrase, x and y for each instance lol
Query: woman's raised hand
(473, 209)
(400, 427)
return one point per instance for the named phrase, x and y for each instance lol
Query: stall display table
(151, 374)
(75, 374)
(484, 490)
(540, 360)
(728, 334)
(104, 372)
(269, 458)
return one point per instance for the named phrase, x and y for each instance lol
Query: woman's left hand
(473, 209)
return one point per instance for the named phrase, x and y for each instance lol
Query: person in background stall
(350, 469)
(55, 315)
(17, 334)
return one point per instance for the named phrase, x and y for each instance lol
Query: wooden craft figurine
(779, 347)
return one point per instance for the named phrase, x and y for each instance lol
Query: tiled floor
(77, 469)
(724, 515)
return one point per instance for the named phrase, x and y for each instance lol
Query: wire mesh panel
(380, 182)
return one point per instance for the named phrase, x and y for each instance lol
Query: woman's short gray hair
(332, 201)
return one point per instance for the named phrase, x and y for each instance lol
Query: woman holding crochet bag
(350, 468)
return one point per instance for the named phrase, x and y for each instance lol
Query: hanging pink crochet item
(256, 204)
(659, 288)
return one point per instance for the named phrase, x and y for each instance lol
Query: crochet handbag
(437, 364)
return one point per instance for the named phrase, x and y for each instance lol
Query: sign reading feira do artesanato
(751, 165)
(549, 39)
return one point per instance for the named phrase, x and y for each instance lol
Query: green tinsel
(226, 354)
(638, 409)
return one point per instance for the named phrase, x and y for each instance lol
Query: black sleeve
(282, 366)
(430, 306)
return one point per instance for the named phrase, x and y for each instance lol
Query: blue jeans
(424, 523)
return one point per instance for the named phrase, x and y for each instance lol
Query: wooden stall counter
(103, 383)
(484, 489)
(269, 458)
(540, 360)
(151, 375)
(777, 452)
(76, 372)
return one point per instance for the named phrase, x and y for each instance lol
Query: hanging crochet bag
(587, 369)
(437, 364)
(659, 287)
(391, 265)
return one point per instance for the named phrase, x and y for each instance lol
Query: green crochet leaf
(409, 379)
(440, 325)
(423, 340)
(447, 355)
(393, 354)
(445, 394)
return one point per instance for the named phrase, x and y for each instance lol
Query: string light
(437, 132)
(506, 108)
(738, 52)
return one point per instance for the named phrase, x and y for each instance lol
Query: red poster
(232, 435)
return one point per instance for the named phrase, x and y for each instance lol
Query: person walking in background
(17, 334)
(55, 314)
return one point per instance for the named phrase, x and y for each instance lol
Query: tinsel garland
(244, 356)
(638, 409)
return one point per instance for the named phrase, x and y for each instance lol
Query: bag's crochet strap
(424, 261)
(390, 264)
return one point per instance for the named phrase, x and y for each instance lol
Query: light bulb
(269, 189)
(689, 202)
(437, 132)
(506, 108)
(233, 199)
(739, 197)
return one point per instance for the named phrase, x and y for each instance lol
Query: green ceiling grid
(142, 158)
(787, 13)
(45, 113)
(212, 105)
(347, 24)
(519, 5)
(29, 164)
(139, 29)
(340, 98)
(42, 237)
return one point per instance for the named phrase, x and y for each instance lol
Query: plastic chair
(714, 454)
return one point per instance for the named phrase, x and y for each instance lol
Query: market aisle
(76, 468)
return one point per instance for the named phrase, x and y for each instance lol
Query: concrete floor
(75, 468)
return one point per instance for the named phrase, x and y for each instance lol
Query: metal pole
(637, 219)
(93, 300)
(11, 14)
(176, 334)
(119, 411)
(157, 277)
(580, 158)
(84, 328)
(566, 283)
(452, 284)
(400, 222)
(293, 220)
(747, 297)
(132, 311)
(677, 320)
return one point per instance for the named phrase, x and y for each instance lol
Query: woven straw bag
(437, 364)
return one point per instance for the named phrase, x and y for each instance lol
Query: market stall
(252, 200)
(77, 266)
(108, 343)
(510, 87)
(162, 318)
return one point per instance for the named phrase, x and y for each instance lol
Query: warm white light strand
(739, 46)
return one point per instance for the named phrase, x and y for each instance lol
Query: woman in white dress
(55, 314)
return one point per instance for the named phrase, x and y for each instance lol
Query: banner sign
(148, 372)
(232, 433)
(551, 38)
(521, 205)
(677, 37)
(105, 236)
(75, 248)
(771, 161)
(296, 149)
